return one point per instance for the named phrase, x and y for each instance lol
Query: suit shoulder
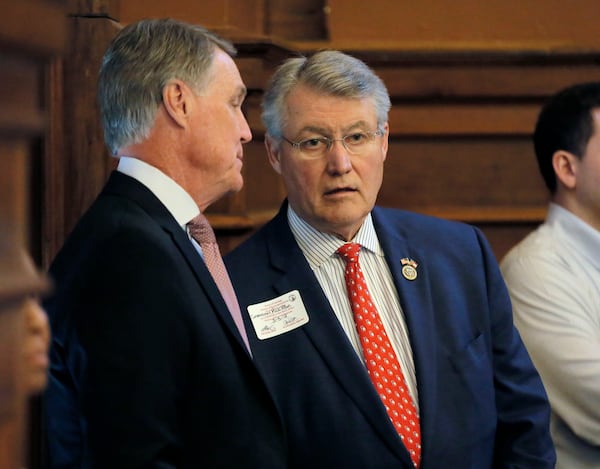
(256, 244)
(419, 224)
(111, 227)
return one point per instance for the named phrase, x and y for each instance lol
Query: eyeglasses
(355, 143)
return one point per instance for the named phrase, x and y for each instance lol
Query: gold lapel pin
(409, 268)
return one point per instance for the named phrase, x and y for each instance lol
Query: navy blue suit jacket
(147, 366)
(482, 403)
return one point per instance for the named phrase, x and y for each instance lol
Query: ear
(385, 139)
(565, 166)
(175, 96)
(273, 152)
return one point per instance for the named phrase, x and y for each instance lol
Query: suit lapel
(324, 331)
(415, 300)
(125, 186)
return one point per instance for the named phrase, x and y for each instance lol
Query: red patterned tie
(203, 233)
(380, 359)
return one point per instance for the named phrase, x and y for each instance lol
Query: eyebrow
(324, 131)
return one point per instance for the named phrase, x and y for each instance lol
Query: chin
(236, 187)
(240, 184)
(346, 213)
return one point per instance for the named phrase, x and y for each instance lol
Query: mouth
(340, 190)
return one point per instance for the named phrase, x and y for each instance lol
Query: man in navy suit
(148, 368)
(435, 284)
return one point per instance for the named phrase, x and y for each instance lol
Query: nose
(338, 159)
(246, 133)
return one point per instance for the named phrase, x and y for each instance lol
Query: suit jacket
(147, 366)
(482, 404)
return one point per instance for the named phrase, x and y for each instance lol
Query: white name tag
(279, 315)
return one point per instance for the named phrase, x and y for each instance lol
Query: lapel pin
(409, 268)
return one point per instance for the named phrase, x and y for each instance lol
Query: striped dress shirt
(320, 252)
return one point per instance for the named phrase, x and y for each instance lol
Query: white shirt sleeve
(557, 312)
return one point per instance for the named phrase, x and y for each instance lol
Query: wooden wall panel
(85, 152)
(532, 75)
(263, 186)
(297, 19)
(465, 97)
(12, 398)
(231, 17)
(77, 161)
(31, 33)
(502, 24)
(33, 27)
(448, 175)
(472, 118)
(100, 8)
(52, 196)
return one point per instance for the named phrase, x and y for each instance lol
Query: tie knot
(201, 230)
(349, 252)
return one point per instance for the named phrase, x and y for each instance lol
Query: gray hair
(139, 62)
(330, 72)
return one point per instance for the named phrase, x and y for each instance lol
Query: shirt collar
(585, 239)
(177, 201)
(318, 247)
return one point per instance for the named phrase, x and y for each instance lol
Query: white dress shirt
(177, 201)
(553, 277)
(320, 252)
(172, 195)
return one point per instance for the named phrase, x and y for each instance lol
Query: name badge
(279, 315)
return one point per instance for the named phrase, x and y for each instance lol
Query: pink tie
(380, 359)
(203, 233)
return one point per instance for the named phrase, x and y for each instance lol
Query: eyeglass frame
(330, 141)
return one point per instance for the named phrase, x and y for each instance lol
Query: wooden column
(32, 32)
(76, 163)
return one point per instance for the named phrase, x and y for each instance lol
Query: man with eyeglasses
(423, 367)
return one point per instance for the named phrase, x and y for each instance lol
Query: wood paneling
(297, 19)
(100, 8)
(54, 188)
(34, 28)
(482, 118)
(230, 17)
(77, 161)
(84, 149)
(505, 24)
(12, 401)
(454, 174)
(488, 80)
(31, 32)
(465, 98)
